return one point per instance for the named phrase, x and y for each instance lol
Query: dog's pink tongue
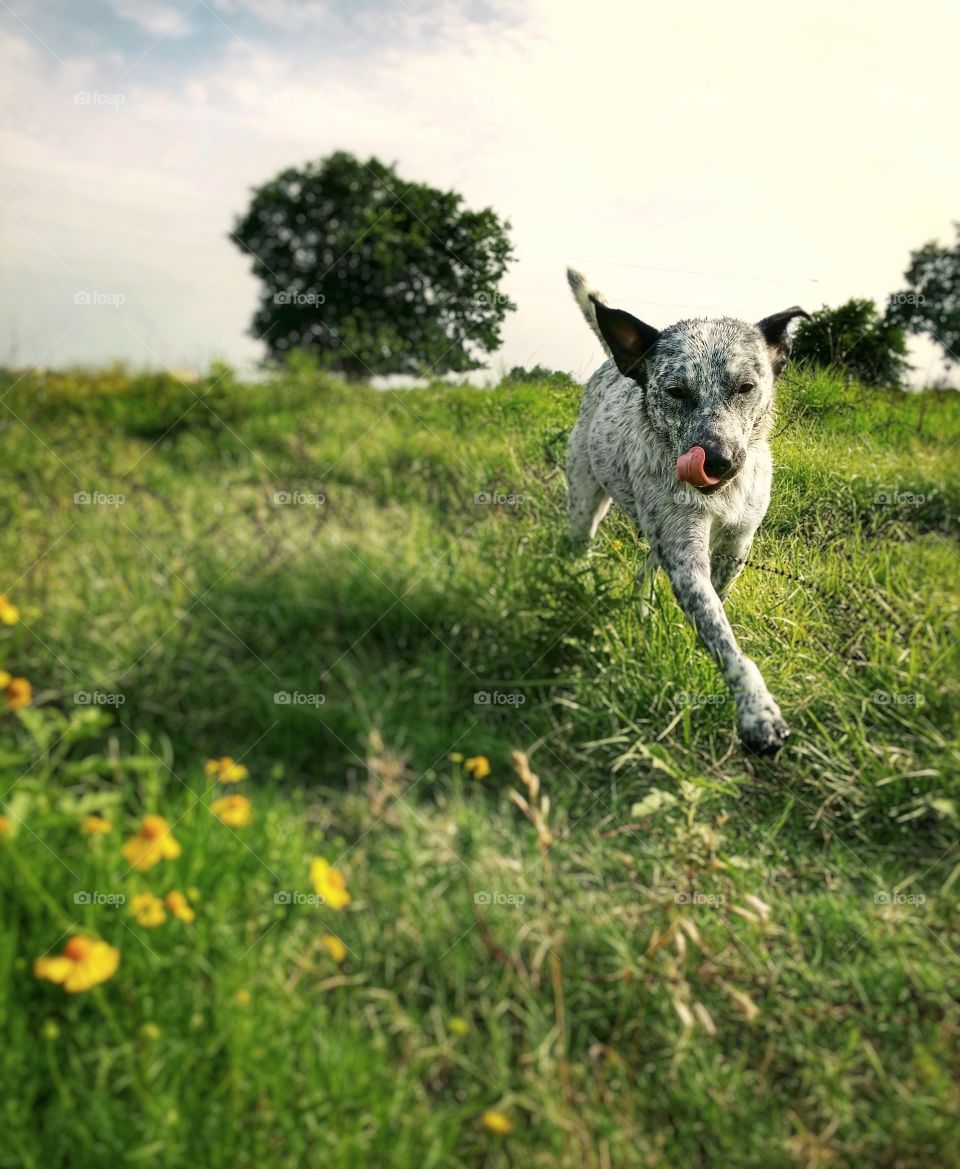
(690, 468)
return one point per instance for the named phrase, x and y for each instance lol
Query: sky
(693, 159)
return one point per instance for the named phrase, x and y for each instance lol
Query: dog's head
(708, 384)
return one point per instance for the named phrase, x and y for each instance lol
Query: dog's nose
(716, 463)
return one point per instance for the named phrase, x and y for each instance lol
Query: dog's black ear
(774, 330)
(630, 340)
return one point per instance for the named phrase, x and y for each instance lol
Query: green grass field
(684, 958)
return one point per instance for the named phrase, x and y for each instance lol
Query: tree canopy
(374, 274)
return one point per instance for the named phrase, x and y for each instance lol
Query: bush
(855, 338)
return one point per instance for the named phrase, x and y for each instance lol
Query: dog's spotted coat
(707, 383)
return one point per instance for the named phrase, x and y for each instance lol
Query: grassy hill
(687, 958)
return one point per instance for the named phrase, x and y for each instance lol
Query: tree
(931, 301)
(854, 337)
(374, 274)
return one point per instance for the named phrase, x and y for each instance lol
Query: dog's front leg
(760, 724)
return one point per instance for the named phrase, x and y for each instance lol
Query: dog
(674, 429)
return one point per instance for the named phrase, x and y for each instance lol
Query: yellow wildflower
(478, 766)
(242, 998)
(148, 910)
(150, 1032)
(4, 679)
(84, 963)
(234, 811)
(497, 1122)
(153, 843)
(329, 884)
(18, 692)
(6, 826)
(225, 770)
(334, 947)
(459, 1026)
(96, 825)
(9, 613)
(179, 906)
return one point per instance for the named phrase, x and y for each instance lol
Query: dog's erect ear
(774, 330)
(630, 340)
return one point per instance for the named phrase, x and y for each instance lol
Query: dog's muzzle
(705, 467)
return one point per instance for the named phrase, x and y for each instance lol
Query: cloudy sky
(692, 158)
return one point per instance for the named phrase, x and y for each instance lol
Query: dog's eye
(678, 392)
(746, 387)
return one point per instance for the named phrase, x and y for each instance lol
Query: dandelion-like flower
(497, 1122)
(334, 947)
(84, 963)
(234, 811)
(148, 910)
(179, 906)
(96, 825)
(152, 844)
(225, 770)
(329, 884)
(478, 766)
(17, 691)
(9, 613)
(6, 826)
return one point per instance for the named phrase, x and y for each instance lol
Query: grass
(687, 958)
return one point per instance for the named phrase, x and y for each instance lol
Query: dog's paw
(762, 728)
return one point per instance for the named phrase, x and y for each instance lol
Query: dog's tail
(584, 296)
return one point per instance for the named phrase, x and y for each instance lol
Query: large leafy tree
(856, 338)
(374, 274)
(931, 301)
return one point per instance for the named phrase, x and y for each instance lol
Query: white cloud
(152, 16)
(691, 160)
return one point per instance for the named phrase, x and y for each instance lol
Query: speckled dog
(674, 430)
